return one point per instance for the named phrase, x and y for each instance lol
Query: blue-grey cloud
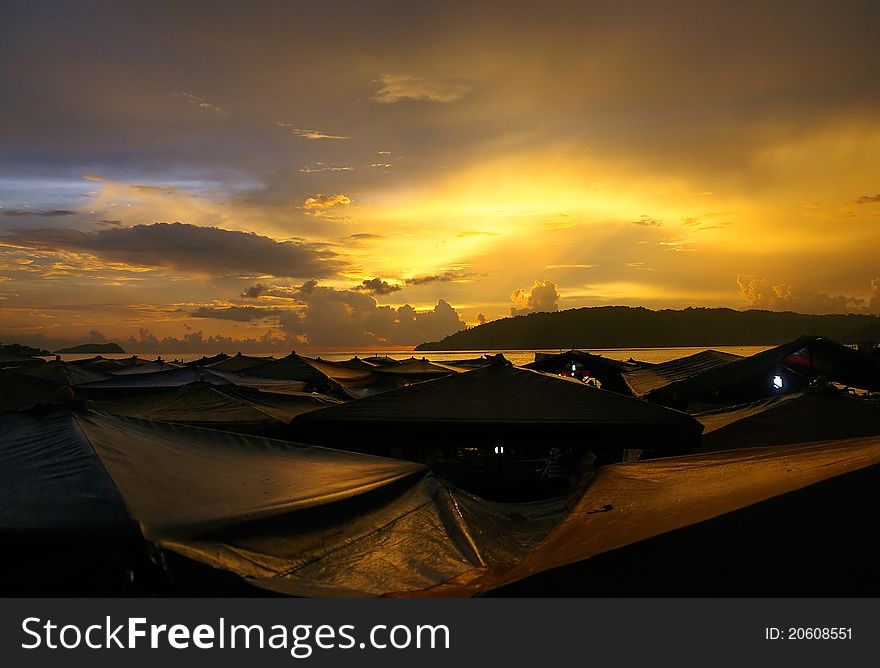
(186, 247)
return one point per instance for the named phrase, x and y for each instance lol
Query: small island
(92, 348)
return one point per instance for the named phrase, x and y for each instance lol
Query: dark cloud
(237, 313)
(107, 221)
(197, 342)
(647, 220)
(364, 237)
(868, 199)
(436, 278)
(376, 286)
(255, 291)
(25, 213)
(192, 248)
(332, 317)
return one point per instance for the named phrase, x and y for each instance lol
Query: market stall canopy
(653, 521)
(179, 377)
(62, 373)
(781, 370)
(817, 415)
(311, 521)
(238, 363)
(608, 372)
(643, 381)
(500, 400)
(238, 409)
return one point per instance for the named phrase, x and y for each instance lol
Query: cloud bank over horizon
(705, 154)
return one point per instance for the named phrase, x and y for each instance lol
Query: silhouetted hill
(628, 327)
(18, 350)
(93, 348)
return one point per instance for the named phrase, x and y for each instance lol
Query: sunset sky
(334, 174)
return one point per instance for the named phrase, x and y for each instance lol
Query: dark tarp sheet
(292, 367)
(417, 368)
(16, 361)
(240, 409)
(807, 357)
(239, 363)
(192, 374)
(607, 371)
(50, 479)
(18, 391)
(792, 418)
(62, 373)
(645, 380)
(99, 364)
(312, 521)
(152, 367)
(497, 397)
(318, 521)
(631, 502)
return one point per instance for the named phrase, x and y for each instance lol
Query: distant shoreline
(623, 327)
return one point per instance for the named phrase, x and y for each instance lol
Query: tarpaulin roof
(311, 521)
(827, 358)
(179, 377)
(99, 364)
(627, 503)
(360, 379)
(606, 371)
(134, 360)
(499, 396)
(238, 363)
(150, 367)
(648, 379)
(204, 360)
(791, 418)
(380, 360)
(472, 363)
(18, 391)
(239, 409)
(62, 373)
(50, 479)
(418, 368)
(12, 361)
(168, 378)
(292, 367)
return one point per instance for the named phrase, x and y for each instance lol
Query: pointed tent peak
(498, 360)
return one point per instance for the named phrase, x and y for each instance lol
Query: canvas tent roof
(501, 397)
(99, 364)
(741, 380)
(791, 418)
(291, 367)
(239, 409)
(807, 357)
(204, 360)
(14, 361)
(606, 371)
(19, 391)
(254, 506)
(238, 363)
(648, 379)
(150, 367)
(179, 377)
(311, 521)
(626, 505)
(62, 373)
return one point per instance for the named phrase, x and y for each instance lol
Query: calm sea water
(653, 355)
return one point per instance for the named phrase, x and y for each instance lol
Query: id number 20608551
(808, 633)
